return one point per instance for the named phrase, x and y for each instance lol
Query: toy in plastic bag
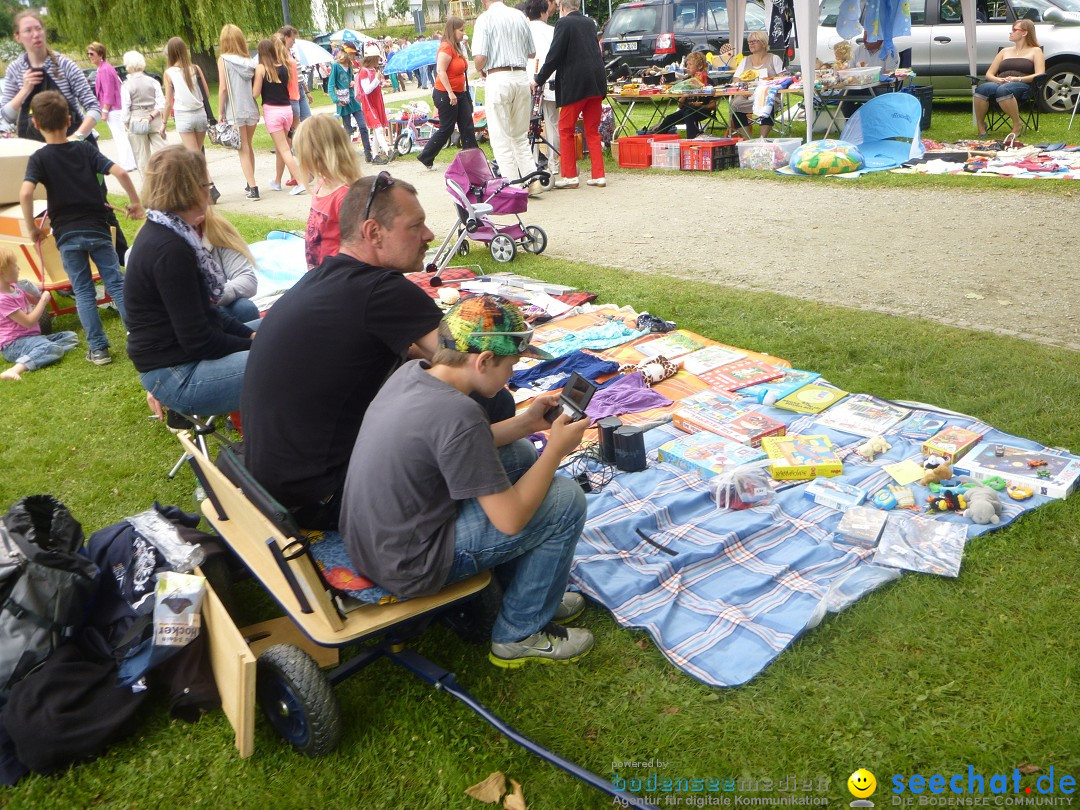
(920, 544)
(743, 487)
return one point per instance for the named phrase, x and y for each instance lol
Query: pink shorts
(277, 119)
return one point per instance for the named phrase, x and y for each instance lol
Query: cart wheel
(403, 145)
(45, 322)
(464, 248)
(298, 700)
(503, 249)
(535, 239)
(473, 620)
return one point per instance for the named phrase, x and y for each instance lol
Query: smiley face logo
(862, 783)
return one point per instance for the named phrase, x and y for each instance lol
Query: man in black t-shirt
(327, 345)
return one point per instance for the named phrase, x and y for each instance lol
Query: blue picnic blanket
(723, 593)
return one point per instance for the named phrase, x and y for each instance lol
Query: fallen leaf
(670, 710)
(642, 643)
(1027, 768)
(490, 790)
(516, 799)
(976, 296)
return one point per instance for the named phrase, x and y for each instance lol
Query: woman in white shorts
(236, 104)
(185, 89)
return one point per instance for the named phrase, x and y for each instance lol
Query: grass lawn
(927, 675)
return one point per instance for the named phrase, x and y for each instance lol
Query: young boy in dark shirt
(436, 493)
(77, 210)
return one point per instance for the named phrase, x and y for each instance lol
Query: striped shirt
(502, 34)
(64, 72)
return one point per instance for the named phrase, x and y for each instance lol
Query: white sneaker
(567, 182)
(275, 186)
(297, 191)
(598, 181)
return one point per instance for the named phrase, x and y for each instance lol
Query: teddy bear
(984, 505)
(873, 447)
(935, 475)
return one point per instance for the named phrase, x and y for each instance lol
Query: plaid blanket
(723, 593)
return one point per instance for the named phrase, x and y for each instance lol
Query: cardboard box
(707, 454)
(1019, 466)
(14, 153)
(11, 218)
(800, 458)
(951, 443)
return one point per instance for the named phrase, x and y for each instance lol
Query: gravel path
(923, 253)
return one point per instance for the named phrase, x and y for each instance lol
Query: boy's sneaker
(571, 606)
(99, 357)
(252, 193)
(552, 645)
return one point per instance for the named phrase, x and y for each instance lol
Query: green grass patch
(927, 675)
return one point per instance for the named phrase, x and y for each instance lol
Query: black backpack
(45, 585)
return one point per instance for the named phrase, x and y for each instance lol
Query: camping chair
(1028, 108)
(287, 678)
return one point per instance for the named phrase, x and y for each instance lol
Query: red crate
(710, 155)
(635, 151)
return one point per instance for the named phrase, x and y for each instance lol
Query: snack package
(177, 609)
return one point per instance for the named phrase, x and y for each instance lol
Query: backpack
(45, 585)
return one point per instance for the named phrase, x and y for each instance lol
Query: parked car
(939, 50)
(659, 32)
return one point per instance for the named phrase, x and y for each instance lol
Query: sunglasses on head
(382, 181)
(520, 340)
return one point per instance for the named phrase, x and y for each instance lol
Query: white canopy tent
(806, 25)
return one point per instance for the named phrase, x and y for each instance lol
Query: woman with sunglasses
(1009, 77)
(107, 90)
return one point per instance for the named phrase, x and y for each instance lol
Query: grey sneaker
(552, 645)
(99, 357)
(571, 606)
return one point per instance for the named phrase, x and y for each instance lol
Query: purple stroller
(478, 194)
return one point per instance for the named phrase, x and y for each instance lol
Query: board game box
(950, 443)
(749, 426)
(1049, 474)
(707, 454)
(835, 494)
(861, 526)
(863, 415)
(740, 374)
(811, 398)
(799, 458)
(705, 410)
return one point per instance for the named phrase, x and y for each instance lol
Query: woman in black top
(272, 83)
(189, 355)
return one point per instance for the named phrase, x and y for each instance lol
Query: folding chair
(296, 695)
(1028, 108)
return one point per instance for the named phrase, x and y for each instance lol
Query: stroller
(477, 193)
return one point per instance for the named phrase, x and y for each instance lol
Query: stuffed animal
(942, 472)
(984, 505)
(655, 370)
(873, 447)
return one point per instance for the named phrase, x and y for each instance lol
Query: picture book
(921, 425)
(811, 398)
(707, 454)
(709, 358)
(950, 443)
(799, 458)
(749, 426)
(1045, 473)
(791, 381)
(861, 526)
(671, 345)
(705, 410)
(835, 494)
(740, 374)
(863, 415)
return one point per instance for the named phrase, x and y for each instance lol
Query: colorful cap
(485, 323)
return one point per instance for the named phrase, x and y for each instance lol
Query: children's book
(671, 345)
(709, 358)
(1044, 473)
(707, 454)
(811, 398)
(740, 374)
(921, 425)
(749, 426)
(705, 410)
(799, 458)
(863, 415)
(788, 383)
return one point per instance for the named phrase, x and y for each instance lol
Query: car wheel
(1061, 88)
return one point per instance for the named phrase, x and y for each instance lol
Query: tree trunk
(208, 62)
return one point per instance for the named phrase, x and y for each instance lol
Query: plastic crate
(635, 151)
(666, 155)
(711, 155)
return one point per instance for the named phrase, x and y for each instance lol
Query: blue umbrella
(412, 57)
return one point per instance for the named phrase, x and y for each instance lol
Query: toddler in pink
(21, 341)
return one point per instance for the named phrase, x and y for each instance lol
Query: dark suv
(658, 32)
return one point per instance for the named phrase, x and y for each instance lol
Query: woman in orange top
(451, 94)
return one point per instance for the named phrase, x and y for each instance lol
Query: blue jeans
(206, 388)
(533, 564)
(992, 91)
(36, 351)
(242, 309)
(305, 108)
(76, 250)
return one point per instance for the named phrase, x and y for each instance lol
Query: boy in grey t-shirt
(435, 493)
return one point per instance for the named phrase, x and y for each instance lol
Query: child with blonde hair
(324, 153)
(21, 341)
(272, 83)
